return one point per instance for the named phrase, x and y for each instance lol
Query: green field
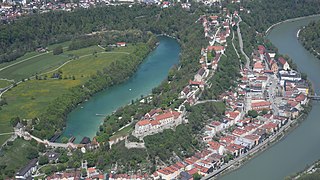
(14, 156)
(30, 98)
(4, 83)
(123, 132)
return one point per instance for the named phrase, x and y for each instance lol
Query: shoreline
(288, 20)
(275, 139)
(278, 137)
(311, 50)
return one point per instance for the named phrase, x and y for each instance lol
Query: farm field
(34, 62)
(30, 98)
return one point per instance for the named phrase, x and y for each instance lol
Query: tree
(9, 172)
(43, 160)
(64, 140)
(14, 121)
(196, 176)
(83, 172)
(264, 111)
(63, 158)
(41, 147)
(32, 153)
(57, 50)
(253, 113)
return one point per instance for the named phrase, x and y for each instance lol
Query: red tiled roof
(193, 171)
(261, 104)
(143, 122)
(214, 145)
(282, 60)
(238, 132)
(300, 97)
(252, 137)
(215, 48)
(258, 65)
(270, 125)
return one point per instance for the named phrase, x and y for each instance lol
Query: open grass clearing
(79, 68)
(123, 132)
(14, 156)
(31, 67)
(29, 99)
(4, 83)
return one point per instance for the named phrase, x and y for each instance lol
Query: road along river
(301, 146)
(83, 121)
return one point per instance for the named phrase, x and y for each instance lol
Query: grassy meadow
(4, 83)
(30, 98)
(15, 155)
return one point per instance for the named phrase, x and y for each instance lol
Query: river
(302, 146)
(83, 120)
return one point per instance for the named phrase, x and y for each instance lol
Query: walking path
(235, 49)
(23, 60)
(241, 44)
(205, 101)
(2, 134)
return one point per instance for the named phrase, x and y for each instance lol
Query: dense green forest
(38, 30)
(264, 13)
(310, 38)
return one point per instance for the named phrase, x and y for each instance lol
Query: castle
(156, 121)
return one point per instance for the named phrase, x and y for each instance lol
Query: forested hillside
(263, 13)
(310, 38)
(38, 30)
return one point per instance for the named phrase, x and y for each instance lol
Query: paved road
(205, 101)
(241, 44)
(235, 49)
(2, 134)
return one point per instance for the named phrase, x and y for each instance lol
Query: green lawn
(80, 66)
(29, 99)
(4, 83)
(14, 156)
(35, 65)
(26, 56)
(123, 132)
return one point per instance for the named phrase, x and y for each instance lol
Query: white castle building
(156, 121)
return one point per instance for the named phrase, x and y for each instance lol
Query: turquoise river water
(83, 121)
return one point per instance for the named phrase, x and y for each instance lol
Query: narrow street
(241, 44)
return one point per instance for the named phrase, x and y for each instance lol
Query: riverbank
(300, 141)
(271, 141)
(308, 38)
(274, 139)
(310, 172)
(288, 20)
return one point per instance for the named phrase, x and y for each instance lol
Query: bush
(58, 50)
